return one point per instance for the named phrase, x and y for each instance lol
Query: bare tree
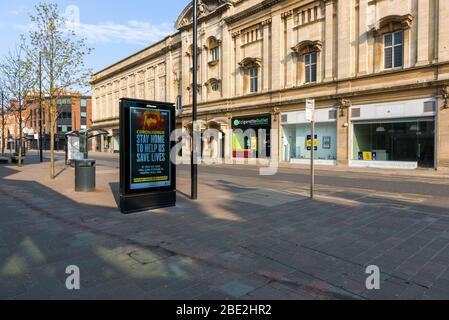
(63, 55)
(19, 81)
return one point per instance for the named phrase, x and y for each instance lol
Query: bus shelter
(77, 143)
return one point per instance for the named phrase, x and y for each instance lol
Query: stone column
(289, 55)
(226, 61)
(363, 36)
(343, 132)
(423, 32)
(170, 81)
(277, 46)
(236, 68)
(443, 130)
(345, 46)
(276, 137)
(157, 84)
(443, 31)
(266, 65)
(185, 65)
(204, 66)
(329, 42)
(228, 139)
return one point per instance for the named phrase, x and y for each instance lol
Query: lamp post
(194, 155)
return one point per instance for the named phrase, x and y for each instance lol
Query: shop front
(297, 142)
(394, 135)
(251, 137)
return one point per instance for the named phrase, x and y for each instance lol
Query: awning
(90, 133)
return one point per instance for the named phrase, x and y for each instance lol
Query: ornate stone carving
(287, 14)
(248, 63)
(236, 34)
(205, 7)
(307, 46)
(189, 52)
(344, 104)
(266, 22)
(445, 97)
(212, 42)
(275, 113)
(392, 23)
(211, 81)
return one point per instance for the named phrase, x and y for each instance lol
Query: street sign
(147, 174)
(310, 109)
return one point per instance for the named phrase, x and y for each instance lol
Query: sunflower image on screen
(153, 121)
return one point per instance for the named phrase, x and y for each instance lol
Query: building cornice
(338, 96)
(136, 63)
(174, 46)
(435, 84)
(253, 10)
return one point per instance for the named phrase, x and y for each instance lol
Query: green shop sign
(258, 121)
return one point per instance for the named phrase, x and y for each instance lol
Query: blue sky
(114, 28)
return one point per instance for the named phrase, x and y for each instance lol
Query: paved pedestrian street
(248, 237)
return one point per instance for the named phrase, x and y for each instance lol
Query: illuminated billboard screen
(145, 144)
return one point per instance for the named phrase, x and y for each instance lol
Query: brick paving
(238, 242)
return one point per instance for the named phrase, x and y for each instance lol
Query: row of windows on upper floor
(65, 115)
(393, 55)
(393, 58)
(62, 102)
(68, 102)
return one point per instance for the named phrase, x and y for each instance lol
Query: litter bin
(85, 175)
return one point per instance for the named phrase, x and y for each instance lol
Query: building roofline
(136, 53)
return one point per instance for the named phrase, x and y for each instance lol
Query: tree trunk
(52, 141)
(3, 136)
(3, 125)
(3, 130)
(19, 163)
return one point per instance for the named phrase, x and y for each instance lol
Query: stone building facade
(377, 69)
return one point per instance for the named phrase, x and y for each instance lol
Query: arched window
(251, 68)
(308, 60)
(213, 48)
(391, 36)
(213, 85)
(189, 53)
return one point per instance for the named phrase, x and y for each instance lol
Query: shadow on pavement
(219, 248)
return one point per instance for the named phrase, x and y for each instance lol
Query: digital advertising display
(147, 174)
(150, 148)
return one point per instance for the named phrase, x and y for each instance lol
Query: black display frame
(150, 198)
